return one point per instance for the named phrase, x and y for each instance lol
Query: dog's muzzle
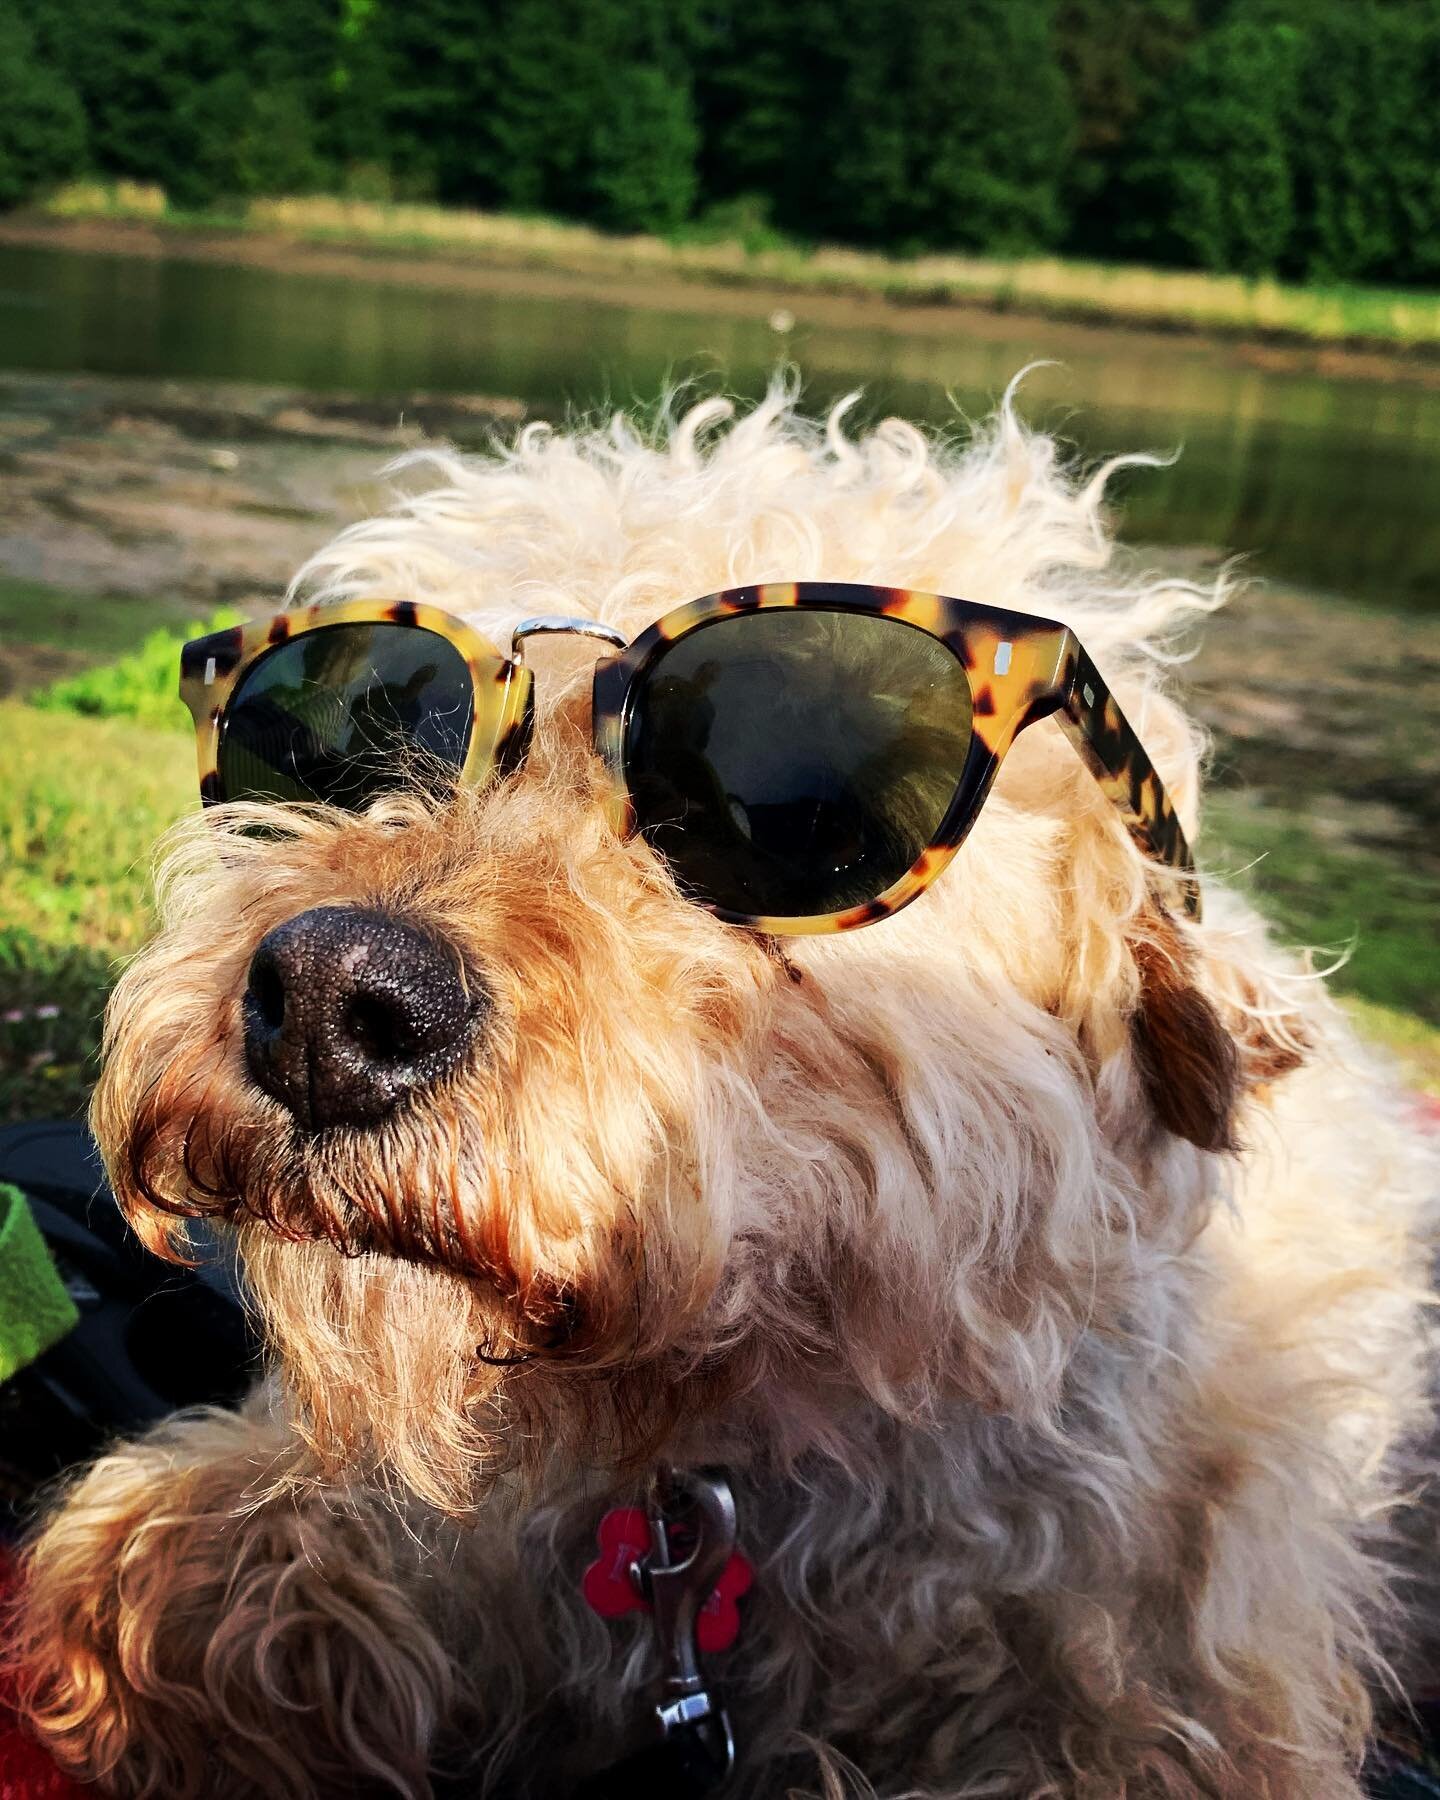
(349, 1011)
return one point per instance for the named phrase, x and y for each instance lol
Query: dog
(1041, 1269)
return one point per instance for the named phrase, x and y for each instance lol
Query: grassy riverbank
(728, 253)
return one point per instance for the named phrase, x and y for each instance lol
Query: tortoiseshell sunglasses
(806, 757)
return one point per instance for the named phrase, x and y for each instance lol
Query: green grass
(47, 632)
(138, 686)
(1393, 319)
(34, 613)
(1414, 1044)
(81, 807)
(1377, 912)
(97, 766)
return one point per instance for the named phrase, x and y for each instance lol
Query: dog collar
(675, 1559)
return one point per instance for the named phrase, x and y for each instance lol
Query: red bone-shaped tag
(610, 1589)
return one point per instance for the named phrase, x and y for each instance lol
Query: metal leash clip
(702, 1504)
(675, 1559)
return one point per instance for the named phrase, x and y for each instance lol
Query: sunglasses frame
(211, 669)
(1020, 668)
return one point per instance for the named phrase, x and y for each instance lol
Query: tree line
(1290, 137)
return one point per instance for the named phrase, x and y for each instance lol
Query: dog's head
(567, 1165)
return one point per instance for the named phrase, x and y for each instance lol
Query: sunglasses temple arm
(1092, 720)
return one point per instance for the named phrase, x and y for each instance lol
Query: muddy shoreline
(135, 503)
(495, 272)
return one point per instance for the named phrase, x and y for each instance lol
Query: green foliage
(919, 124)
(592, 111)
(1366, 151)
(1292, 137)
(82, 805)
(246, 141)
(549, 97)
(643, 172)
(1299, 137)
(205, 99)
(141, 686)
(1214, 177)
(418, 85)
(1117, 56)
(744, 220)
(990, 125)
(774, 92)
(42, 126)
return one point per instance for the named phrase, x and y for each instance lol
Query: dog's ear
(1202, 1037)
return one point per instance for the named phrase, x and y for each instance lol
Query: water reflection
(793, 763)
(1328, 482)
(342, 713)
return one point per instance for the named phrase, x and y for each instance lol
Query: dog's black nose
(349, 1010)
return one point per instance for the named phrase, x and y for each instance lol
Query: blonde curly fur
(1063, 1447)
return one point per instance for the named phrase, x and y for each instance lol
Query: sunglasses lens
(347, 712)
(793, 763)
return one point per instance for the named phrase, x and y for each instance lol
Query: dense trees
(206, 99)
(1293, 136)
(591, 113)
(1366, 149)
(1117, 56)
(1213, 182)
(913, 124)
(42, 127)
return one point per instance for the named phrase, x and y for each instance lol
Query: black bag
(152, 1336)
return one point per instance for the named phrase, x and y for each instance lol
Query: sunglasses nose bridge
(583, 704)
(562, 625)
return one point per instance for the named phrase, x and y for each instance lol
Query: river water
(1329, 482)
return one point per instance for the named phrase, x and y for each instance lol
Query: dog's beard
(764, 1195)
(423, 1188)
(417, 1333)
(554, 1269)
(386, 1367)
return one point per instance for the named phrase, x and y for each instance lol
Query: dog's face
(570, 1165)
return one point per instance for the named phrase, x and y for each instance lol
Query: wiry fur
(1044, 1272)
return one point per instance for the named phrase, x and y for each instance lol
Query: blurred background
(250, 251)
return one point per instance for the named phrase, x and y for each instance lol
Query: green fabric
(35, 1310)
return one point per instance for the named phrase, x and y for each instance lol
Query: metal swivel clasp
(678, 1584)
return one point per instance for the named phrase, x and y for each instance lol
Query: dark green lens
(791, 763)
(347, 712)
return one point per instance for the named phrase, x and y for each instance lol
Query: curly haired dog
(1043, 1269)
